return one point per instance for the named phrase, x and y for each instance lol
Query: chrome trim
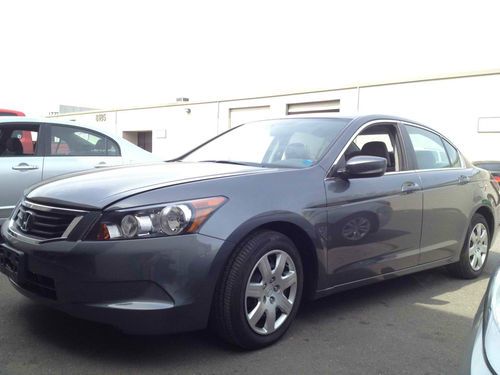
(439, 135)
(7, 207)
(363, 127)
(396, 122)
(42, 207)
(412, 171)
(38, 240)
(71, 226)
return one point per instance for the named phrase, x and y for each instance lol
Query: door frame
(400, 140)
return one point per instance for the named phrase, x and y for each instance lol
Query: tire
(474, 252)
(245, 292)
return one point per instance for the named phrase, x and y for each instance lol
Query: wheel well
(306, 249)
(486, 213)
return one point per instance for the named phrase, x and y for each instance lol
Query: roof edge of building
(469, 74)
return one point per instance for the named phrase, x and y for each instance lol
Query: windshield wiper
(230, 162)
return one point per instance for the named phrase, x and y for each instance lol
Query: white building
(465, 108)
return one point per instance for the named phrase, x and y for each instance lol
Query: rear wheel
(475, 250)
(260, 291)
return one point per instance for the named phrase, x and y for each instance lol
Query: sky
(109, 54)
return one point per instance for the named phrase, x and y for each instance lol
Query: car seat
(377, 148)
(14, 146)
(297, 151)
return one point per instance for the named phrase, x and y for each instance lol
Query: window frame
(400, 141)
(40, 147)
(413, 157)
(48, 144)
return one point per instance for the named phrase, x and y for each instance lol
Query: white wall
(451, 106)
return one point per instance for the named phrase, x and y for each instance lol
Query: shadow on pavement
(397, 326)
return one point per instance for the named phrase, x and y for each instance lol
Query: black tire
(463, 268)
(229, 314)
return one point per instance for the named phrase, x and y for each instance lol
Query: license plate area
(11, 263)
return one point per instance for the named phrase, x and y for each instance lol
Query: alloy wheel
(478, 246)
(271, 292)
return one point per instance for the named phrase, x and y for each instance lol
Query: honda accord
(237, 232)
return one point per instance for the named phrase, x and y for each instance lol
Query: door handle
(462, 180)
(410, 187)
(24, 167)
(102, 164)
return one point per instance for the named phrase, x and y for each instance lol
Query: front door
(374, 224)
(21, 163)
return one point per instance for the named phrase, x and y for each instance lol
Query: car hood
(98, 189)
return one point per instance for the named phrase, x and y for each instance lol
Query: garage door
(238, 116)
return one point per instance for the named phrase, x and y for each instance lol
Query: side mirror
(363, 166)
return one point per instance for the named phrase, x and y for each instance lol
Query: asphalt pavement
(416, 324)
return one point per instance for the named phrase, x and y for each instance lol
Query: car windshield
(295, 143)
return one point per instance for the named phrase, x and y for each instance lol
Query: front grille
(44, 222)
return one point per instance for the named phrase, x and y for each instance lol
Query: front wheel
(260, 291)
(475, 250)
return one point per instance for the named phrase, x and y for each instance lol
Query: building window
(325, 106)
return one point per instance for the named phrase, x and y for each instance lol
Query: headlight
(491, 324)
(169, 219)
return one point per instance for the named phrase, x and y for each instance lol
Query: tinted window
(453, 155)
(429, 149)
(19, 140)
(69, 141)
(290, 142)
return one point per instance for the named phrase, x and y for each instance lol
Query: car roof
(19, 119)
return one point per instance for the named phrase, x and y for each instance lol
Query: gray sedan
(238, 231)
(35, 150)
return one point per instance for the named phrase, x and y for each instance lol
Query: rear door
(72, 149)
(448, 193)
(374, 223)
(21, 163)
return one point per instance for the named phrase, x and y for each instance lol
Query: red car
(10, 112)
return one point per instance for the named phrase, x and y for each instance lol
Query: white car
(34, 150)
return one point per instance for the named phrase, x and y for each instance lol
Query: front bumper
(145, 286)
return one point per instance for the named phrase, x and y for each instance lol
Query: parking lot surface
(416, 324)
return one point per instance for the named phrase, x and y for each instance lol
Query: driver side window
(378, 140)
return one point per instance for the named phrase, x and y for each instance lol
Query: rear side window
(18, 140)
(69, 141)
(430, 152)
(453, 155)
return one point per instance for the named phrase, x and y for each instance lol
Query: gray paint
(175, 277)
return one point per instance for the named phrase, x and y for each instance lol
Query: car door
(73, 149)
(448, 193)
(21, 163)
(374, 223)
